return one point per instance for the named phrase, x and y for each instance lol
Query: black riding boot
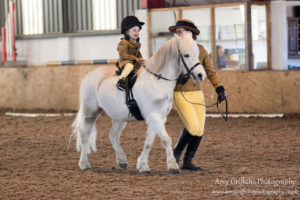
(121, 84)
(189, 154)
(184, 139)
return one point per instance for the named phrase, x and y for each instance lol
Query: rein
(189, 71)
(159, 76)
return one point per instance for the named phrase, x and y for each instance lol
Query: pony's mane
(167, 51)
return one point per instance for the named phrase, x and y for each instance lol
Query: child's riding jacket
(128, 51)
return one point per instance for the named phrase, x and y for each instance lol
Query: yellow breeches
(192, 115)
(127, 69)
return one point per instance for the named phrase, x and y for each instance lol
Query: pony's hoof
(86, 169)
(145, 172)
(174, 171)
(84, 166)
(123, 165)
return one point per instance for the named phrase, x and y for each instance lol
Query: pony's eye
(186, 55)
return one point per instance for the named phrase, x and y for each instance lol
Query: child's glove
(140, 61)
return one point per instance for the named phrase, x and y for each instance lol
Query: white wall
(41, 51)
(279, 35)
(280, 11)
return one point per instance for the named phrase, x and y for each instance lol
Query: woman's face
(181, 32)
(134, 32)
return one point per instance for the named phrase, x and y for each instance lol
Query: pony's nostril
(200, 76)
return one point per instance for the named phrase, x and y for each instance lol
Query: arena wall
(56, 88)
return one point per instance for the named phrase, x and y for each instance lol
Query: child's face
(134, 32)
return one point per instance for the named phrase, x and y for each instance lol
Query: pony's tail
(79, 133)
(77, 130)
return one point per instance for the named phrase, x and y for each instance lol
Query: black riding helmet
(129, 22)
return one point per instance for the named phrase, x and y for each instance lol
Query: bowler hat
(129, 22)
(187, 24)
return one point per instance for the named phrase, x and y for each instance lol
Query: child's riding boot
(189, 154)
(126, 71)
(184, 139)
(121, 84)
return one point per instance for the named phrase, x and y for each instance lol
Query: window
(77, 16)
(201, 18)
(230, 37)
(2, 14)
(294, 37)
(67, 16)
(32, 15)
(160, 28)
(104, 15)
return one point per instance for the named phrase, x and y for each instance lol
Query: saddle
(130, 101)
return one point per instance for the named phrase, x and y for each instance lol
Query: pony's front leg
(142, 163)
(156, 122)
(114, 136)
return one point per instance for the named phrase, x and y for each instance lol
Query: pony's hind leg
(84, 127)
(114, 137)
(142, 163)
(89, 131)
(156, 123)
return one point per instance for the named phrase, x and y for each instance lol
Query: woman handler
(192, 115)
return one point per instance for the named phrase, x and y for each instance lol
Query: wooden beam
(195, 7)
(149, 33)
(213, 37)
(248, 38)
(269, 35)
(179, 13)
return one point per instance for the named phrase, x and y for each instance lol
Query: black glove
(182, 79)
(221, 93)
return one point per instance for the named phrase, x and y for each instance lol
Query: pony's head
(189, 58)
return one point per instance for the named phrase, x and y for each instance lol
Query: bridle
(189, 70)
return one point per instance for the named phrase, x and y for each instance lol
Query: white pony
(98, 93)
